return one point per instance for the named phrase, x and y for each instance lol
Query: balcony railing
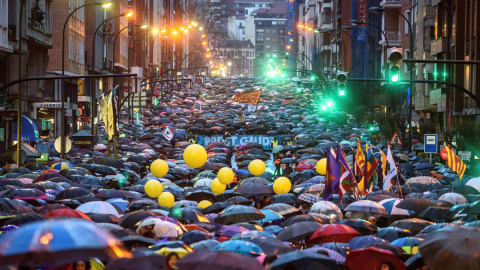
(391, 3)
(393, 36)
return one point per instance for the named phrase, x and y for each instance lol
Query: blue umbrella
(362, 241)
(408, 244)
(269, 216)
(59, 241)
(242, 172)
(122, 204)
(241, 247)
(252, 234)
(273, 229)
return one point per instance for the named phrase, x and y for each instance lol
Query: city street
(239, 135)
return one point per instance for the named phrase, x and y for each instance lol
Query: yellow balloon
(166, 199)
(195, 156)
(225, 175)
(217, 187)
(322, 166)
(159, 168)
(153, 188)
(282, 185)
(256, 167)
(204, 204)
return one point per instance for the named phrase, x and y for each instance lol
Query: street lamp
(410, 69)
(93, 92)
(104, 4)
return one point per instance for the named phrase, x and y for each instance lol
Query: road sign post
(395, 140)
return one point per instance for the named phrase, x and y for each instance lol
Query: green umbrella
(277, 149)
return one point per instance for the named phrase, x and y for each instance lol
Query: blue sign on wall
(264, 140)
(431, 141)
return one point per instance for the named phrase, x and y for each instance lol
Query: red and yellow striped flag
(455, 163)
(252, 97)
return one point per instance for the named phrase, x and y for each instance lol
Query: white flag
(168, 134)
(391, 170)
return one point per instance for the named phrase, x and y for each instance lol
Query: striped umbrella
(331, 253)
(365, 208)
(310, 198)
(391, 207)
(62, 165)
(59, 241)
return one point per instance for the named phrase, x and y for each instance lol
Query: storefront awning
(29, 130)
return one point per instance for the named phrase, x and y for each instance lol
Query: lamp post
(410, 69)
(93, 93)
(19, 89)
(105, 4)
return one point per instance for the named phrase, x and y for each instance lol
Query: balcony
(391, 3)
(394, 37)
(438, 46)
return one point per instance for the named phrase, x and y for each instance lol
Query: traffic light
(395, 57)
(274, 53)
(299, 86)
(342, 82)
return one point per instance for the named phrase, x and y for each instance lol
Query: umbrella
(241, 247)
(300, 260)
(453, 198)
(272, 246)
(269, 216)
(66, 212)
(362, 241)
(366, 208)
(62, 165)
(362, 226)
(160, 228)
(298, 231)
(333, 233)
(131, 219)
(205, 245)
(140, 262)
(58, 242)
(238, 213)
(391, 206)
(452, 249)
(309, 198)
(282, 209)
(24, 219)
(415, 204)
(373, 258)
(249, 235)
(414, 225)
(216, 207)
(98, 207)
(326, 208)
(194, 237)
(408, 244)
(339, 258)
(220, 260)
(392, 233)
(285, 198)
(306, 217)
(435, 213)
(253, 189)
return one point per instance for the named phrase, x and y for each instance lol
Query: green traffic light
(329, 104)
(312, 78)
(342, 92)
(282, 75)
(395, 78)
(271, 60)
(299, 89)
(324, 107)
(444, 74)
(371, 128)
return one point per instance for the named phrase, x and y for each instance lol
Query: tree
(359, 113)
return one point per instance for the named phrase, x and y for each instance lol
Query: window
(267, 46)
(164, 47)
(251, 71)
(282, 31)
(251, 54)
(267, 39)
(281, 23)
(407, 14)
(251, 62)
(236, 53)
(259, 33)
(274, 23)
(274, 39)
(274, 47)
(267, 30)
(243, 63)
(274, 31)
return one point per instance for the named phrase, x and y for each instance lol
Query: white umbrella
(204, 182)
(326, 208)
(474, 183)
(391, 206)
(365, 208)
(454, 198)
(98, 207)
(161, 228)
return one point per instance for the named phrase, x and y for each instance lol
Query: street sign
(395, 140)
(431, 142)
(465, 155)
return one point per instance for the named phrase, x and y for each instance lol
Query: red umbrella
(333, 233)
(373, 258)
(305, 166)
(50, 171)
(66, 212)
(353, 135)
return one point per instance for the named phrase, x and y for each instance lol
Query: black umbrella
(362, 226)
(239, 200)
(285, 198)
(415, 204)
(104, 170)
(253, 189)
(200, 195)
(237, 214)
(320, 219)
(130, 219)
(194, 237)
(25, 218)
(435, 213)
(72, 193)
(204, 260)
(414, 225)
(205, 245)
(272, 246)
(282, 209)
(300, 260)
(216, 207)
(298, 231)
(392, 233)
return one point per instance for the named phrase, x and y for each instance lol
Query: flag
(332, 178)
(391, 171)
(252, 97)
(371, 165)
(455, 163)
(382, 169)
(347, 174)
(360, 157)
